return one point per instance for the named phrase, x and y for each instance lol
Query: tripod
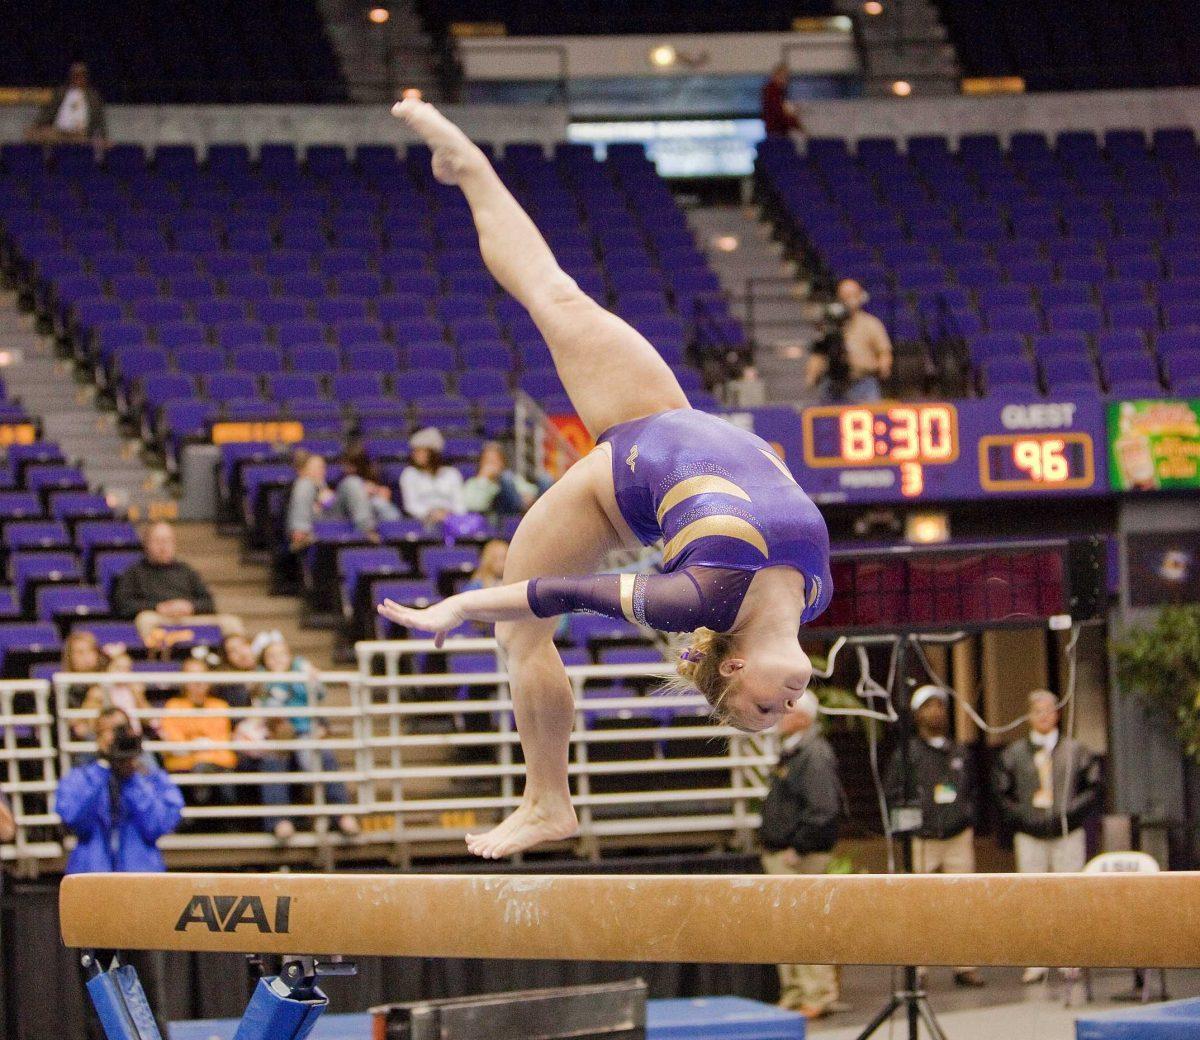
(905, 819)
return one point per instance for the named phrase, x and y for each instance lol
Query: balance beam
(1098, 920)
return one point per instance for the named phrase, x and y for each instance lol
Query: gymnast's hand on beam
(439, 619)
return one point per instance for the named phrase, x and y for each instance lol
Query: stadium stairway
(240, 587)
(905, 41)
(378, 61)
(781, 328)
(48, 385)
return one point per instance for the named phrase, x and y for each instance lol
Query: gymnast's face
(767, 683)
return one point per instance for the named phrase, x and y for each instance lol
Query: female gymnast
(746, 556)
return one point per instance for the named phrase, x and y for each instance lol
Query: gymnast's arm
(679, 602)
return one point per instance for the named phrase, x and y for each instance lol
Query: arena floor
(1003, 1010)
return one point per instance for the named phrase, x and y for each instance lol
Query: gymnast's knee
(519, 640)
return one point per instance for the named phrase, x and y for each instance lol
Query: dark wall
(45, 998)
(1078, 44)
(172, 51)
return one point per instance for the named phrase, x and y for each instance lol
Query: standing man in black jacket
(799, 830)
(1048, 785)
(162, 590)
(942, 780)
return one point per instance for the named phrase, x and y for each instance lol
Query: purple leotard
(725, 506)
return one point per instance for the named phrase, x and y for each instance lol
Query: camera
(834, 312)
(126, 745)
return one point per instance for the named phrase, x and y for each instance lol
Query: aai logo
(229, 913)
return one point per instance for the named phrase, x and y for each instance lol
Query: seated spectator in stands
(74, 114)
(129, 697)
(489, 571)
(81, 653)
(201, 730)
(277, 657)
(854, 355)
(237, 655)
(496, 490)
(118, 806)
(359, 496)
(162, 590)
(780, 116)
(431, 491)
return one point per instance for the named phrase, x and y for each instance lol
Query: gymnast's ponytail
(699, 667)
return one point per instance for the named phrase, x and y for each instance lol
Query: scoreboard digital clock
(938, 451)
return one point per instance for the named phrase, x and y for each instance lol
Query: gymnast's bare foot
(534, 821)
(454, 156)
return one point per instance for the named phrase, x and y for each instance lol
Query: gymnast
(746, 553)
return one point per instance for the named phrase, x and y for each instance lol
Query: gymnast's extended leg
(609, 370)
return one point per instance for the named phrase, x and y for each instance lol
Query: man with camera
(854, 354)
(118, 806)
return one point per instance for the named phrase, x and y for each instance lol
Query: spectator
(74, 114)
(359, 496)
(1048, 785)
(780, 116)
(81, 653)
(854, 355)
(161, 590)
(799, 830)
(238, 655)
(489, 571)
(431, 491)
(118, 806)
(129, 697)
(941, 778)
(8, 822)
(496, 490)
(201, 730)
(277, 657)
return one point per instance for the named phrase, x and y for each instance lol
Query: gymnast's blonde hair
(699, 668)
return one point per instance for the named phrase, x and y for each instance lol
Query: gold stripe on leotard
(778, 463)
(707, 526)
(627, 583)
(702, 485)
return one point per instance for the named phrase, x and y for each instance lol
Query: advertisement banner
(1154, 445)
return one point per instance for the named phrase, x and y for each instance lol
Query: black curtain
(44, 997)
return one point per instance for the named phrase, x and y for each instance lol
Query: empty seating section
(251, 51)
(1070, 266)
(61, 547)
(343, 292)
(337, 293)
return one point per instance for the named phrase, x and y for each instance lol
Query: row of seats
(181, 339)
(1071, 268)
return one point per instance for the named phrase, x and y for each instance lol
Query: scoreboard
(967, 450)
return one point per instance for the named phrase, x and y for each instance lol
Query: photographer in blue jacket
(118, 806)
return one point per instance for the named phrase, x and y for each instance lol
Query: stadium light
(873, 7)
(379, 15)
(664, 56)
(902, 88)
(927, 528)
(726, 243)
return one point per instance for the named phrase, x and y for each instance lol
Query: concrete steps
(50, 389)
(240, 587)
(380, 61)
(906, 41)
(764, 291)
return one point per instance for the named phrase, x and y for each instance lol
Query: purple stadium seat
(1014, 319)
(79, 505)
(1133, 367)
(1066, 374)
(19, 505)
(1115, 341)
(64, 603)
(1073, 318)
(316, 359)
(1001, 373)
(22, 643)
(36, 534)
(1132, 315)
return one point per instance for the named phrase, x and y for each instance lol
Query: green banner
(1154, 445)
